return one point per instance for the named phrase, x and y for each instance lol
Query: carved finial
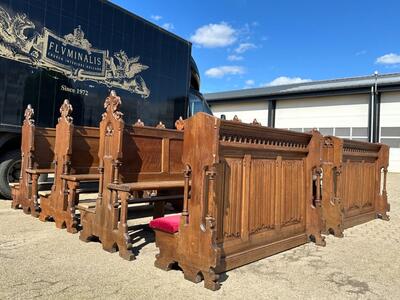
(139, 123)
(29, 112)
(236, 119)
(180, 124)
(160, 125)
(112, 104)
(65, 111)
(255, 122)
(328, 142)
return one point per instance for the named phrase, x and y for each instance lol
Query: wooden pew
(130, 154)
(76, 149)
(249, 192)
(354, 189)
(37, 153)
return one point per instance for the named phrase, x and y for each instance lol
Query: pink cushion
(168, 224)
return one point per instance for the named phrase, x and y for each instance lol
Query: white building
(362, 108)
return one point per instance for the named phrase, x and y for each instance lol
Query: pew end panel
(332, 204)
(20, 191)
(37, 154)
(75, 152)
(383, 206)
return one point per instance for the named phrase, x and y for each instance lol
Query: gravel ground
(39, 261)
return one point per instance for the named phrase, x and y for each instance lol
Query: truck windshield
(197, 103)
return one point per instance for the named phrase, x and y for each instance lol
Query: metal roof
(307, 87)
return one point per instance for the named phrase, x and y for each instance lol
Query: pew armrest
(39, 171)
(81, 177)
(146, 185)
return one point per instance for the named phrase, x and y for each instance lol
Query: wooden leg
(163, 263)
(87, 221)
(124, 240)
(192, 274)
(125, 248)
(71, 221)
(320, 240)
(15, 191)
(34, 204)
(167, 244)
(384, 216)
(211, 280)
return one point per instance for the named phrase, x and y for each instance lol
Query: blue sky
(251, 43)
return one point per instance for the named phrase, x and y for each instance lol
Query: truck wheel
(10, 168)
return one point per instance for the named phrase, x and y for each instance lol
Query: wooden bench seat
(37, 153)
(87, 205)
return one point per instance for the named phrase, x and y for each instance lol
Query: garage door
(390, 127)
(344, 116)
(246, 111)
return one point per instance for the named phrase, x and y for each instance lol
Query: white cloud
(362, 52)
(219, 72)
(156, 17)
(168, 26)
(242, 48)
(234, 57)
(388, 59)
(286, 80)
(250, 82)
(214, 35)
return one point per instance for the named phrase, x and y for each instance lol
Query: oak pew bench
(142, 156)
(355, 183)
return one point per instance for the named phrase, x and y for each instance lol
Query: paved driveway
(39, 261)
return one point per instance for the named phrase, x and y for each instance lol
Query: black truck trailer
(80, 50)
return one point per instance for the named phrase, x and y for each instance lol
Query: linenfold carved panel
(356, 199)
(232, 218)
(292, 206)
(262, 195)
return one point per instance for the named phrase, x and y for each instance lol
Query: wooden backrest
(249, 184)
(44, 147)
(151, 154)
(85, 154)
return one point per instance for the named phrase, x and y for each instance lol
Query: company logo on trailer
(72, 55)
